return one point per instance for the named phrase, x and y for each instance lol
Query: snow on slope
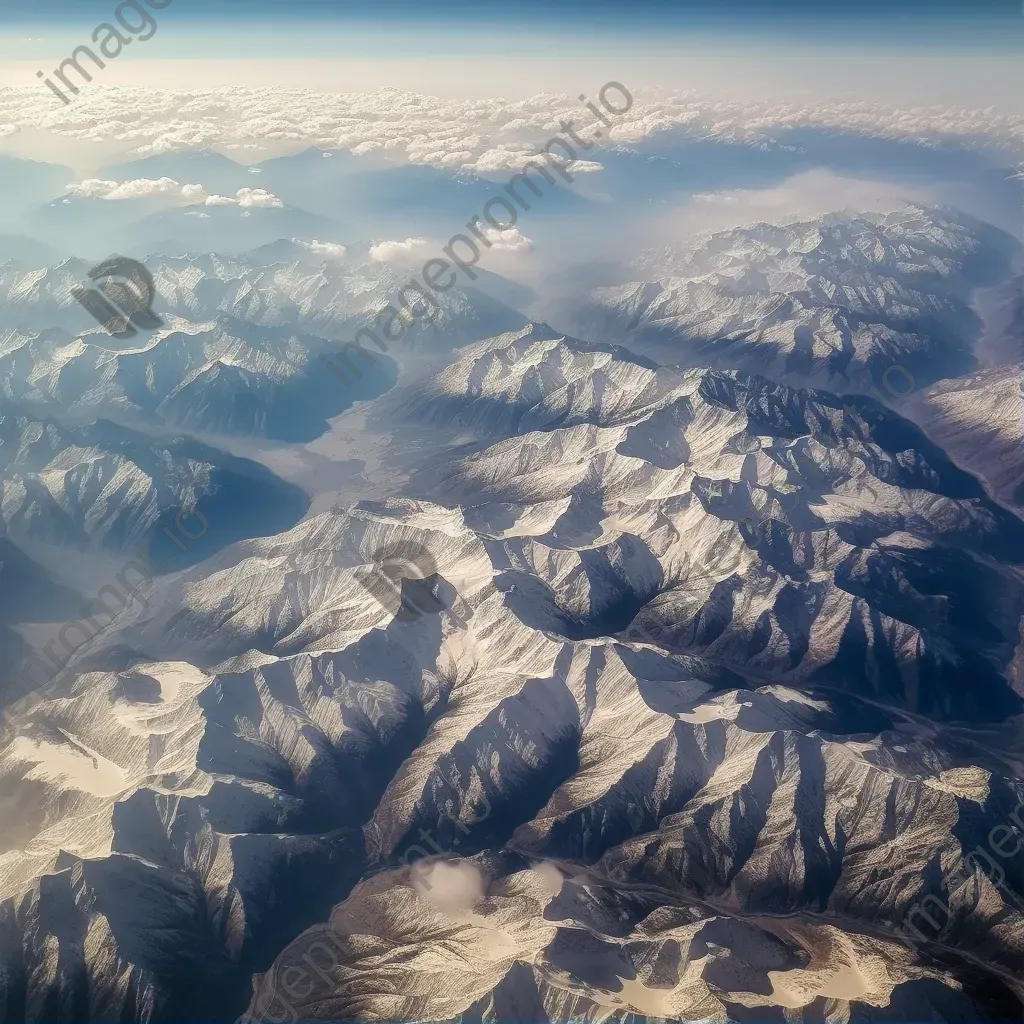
(238, 804)
(696, 687)
(237, 757)
(107, 487)
(979, 420)
(831, 302)
(778, 530)
(239, 352)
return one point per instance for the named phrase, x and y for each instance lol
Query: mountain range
(840, 301)
(696, 674)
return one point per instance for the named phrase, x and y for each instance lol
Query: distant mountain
(246, 347)
(87, 226)
(295, 250)
(221, 376)
(367, 196)
(26, 252)
(834, 302)
(28, 184)
(225, 229)
(97, 227)
(310, 252)
(654, 179)
(215, 172)
(331, 300)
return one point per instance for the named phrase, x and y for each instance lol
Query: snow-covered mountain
(831, 302)
(104, 486)
(332, 300)
(642, 758)
(979, 420)
(245, 349)
(774, 529)
(329, 298)
(665, 685)
(218, 376)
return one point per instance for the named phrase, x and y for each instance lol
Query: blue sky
(898, 22)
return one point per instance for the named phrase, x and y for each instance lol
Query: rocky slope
(832, 302)
(106, 487)
(598, 749)
(979, 420)
(661, 692)
(245, 349)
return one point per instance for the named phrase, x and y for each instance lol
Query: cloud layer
(185, 195)
(489, 136)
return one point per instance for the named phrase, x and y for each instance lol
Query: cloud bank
(187, 195)
(489, 136)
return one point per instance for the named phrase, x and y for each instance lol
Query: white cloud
(331, 250)
(136, 188)
(143, 188)
(257, 197)
(187, 195)
(246, 197)
(453, 888)
(91, 188)
(509, 240)
(502, 158)
(387, 252)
